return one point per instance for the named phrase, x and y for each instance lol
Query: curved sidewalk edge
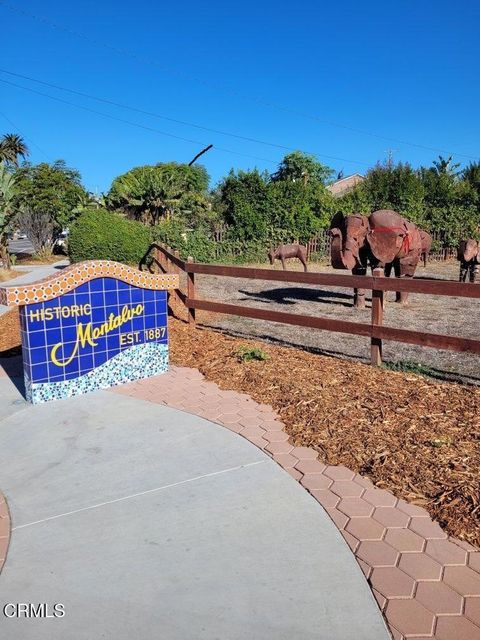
(4, 529)
(425, 583)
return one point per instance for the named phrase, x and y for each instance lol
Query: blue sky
(284, 74)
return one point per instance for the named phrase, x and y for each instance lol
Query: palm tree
(445, 166)
(11, 147)
(7, 184)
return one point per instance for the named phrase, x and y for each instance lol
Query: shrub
(100, 235)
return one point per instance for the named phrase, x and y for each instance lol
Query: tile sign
(90, 329)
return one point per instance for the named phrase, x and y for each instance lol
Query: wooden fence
(169, 261)
(319, 245)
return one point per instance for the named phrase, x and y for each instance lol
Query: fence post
(191, 293)
(377, 319)
(176, 270)
(168, 264)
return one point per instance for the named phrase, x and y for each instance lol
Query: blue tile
(96, 284)
(36, 339)
(86, 363)
(39, 373)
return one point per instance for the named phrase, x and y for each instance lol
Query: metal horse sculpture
(285, 251)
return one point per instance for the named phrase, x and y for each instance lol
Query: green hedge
(101, 235)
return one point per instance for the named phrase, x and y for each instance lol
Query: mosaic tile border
(139, 361)
(67, 279)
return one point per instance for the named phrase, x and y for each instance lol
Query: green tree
(303, 167)
(245, 204)
(154, 192)
(7, 211)
(11, 147)
(297, 210)
(397, 187)
(50, 191)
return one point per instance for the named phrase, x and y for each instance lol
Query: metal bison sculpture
(382, 239)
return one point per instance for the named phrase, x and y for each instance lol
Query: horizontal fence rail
(377, 283)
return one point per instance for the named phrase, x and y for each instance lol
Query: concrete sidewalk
(148, 522)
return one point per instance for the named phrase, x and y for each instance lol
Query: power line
(31, 142)
(220, 87)
(133, 124)
(163, 117)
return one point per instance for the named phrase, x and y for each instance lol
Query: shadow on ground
(289, 296)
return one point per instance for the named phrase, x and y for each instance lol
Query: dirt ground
(437, 314)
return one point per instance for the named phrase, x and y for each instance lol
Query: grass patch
(408, 366)
(247, 354)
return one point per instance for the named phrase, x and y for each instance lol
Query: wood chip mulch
(418, 438)
(9, 330)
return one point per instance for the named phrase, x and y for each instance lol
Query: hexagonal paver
(381, 601)
(279, 447)
(250, 421)
(439, 598)
(364, 482)
(286, 460)
(346, 488)
(379, 498)
(463, 579)
(463, 544)
(259, 442)
(350, 540)
(420, 566)
(391, 582)
(273, 425)
(474, 560)
(276, 436)
(367, 569)
(404, 540)
(472, 609)
(456, 627)
(391, 517)
(4, 527)
(446, 552)
(410, 617)
(365, 529)
(312, 481)
(355, 507)
(339, 518)
(251, 432)
(326, 498)
(426, 528)
(296, 475)
(377, 553)
(305, 453)
(310, 466)
(339, 473)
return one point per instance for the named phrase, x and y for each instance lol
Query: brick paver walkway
(4, 529)
(426, 584)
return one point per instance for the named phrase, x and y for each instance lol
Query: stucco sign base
(147, 522)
